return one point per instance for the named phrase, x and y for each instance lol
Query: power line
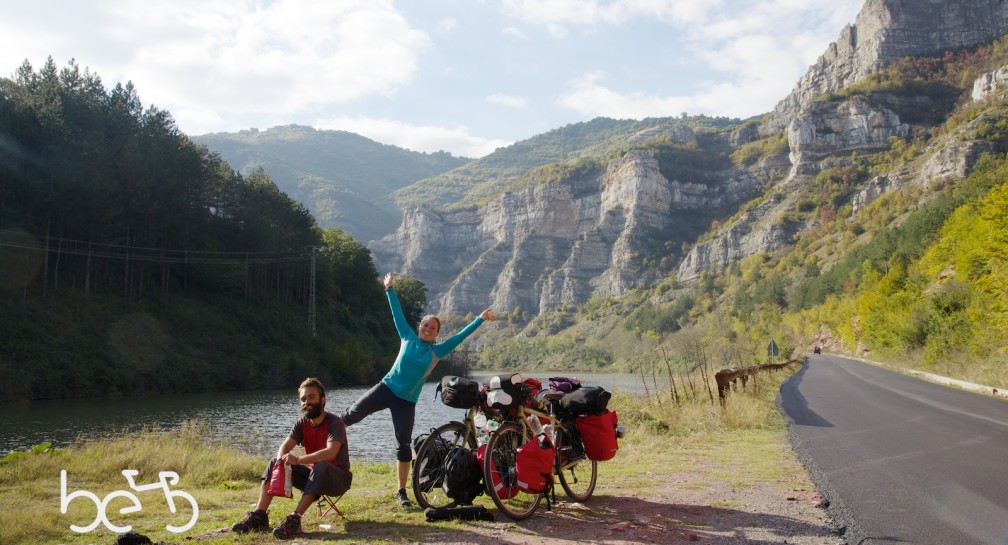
(138, 253)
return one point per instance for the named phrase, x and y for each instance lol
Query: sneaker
(402, 498)
(290, 527)
(256, 521)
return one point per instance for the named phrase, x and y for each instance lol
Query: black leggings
(403, 413)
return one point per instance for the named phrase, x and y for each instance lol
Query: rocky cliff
(887, 30)
(551, 245)
(558, 244)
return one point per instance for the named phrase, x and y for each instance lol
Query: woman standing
(399, 390)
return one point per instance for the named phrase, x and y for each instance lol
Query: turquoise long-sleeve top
(417, 357)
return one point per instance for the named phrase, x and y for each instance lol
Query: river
(257, 422)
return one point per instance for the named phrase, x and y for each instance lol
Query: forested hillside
(134, 261)
(344, 179)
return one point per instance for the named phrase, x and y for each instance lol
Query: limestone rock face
(757, 230)
(990, 83)
(887, 30)
(852, 125)
(551, 245)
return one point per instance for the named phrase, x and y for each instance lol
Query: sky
(461, 76)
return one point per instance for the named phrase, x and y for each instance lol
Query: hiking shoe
(290, 527)
(402, 498)
(256, 521)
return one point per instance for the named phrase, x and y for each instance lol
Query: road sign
(772, 349)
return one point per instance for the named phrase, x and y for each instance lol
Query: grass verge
(743, 443)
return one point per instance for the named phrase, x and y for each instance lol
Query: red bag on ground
(280, 481)
(503, 492)
(534, 466)
(598, 432)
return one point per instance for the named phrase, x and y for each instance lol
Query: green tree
(412, 295)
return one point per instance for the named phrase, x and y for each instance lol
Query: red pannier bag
(534, 466)
(598, 432)
(280, 481)
(503, 492)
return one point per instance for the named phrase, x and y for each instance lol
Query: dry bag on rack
(564, 384)
(504, 391)
(585, 400)
(534, 466)
(598, 433)
(458, 392)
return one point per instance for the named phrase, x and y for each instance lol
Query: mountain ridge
(344, 179)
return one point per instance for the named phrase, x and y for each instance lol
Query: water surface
(257, 422)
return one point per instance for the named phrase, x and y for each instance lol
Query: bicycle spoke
(499, 474)
(429, 465)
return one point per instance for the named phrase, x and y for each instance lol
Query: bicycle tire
(428, 467)
(499, 473)
(578, 474)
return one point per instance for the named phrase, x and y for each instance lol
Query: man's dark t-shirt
(315, 438)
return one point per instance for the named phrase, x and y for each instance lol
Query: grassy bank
(743, 443)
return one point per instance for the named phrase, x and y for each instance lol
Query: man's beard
(312, 411)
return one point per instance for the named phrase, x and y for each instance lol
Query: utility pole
(311, 289)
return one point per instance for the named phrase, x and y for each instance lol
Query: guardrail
(726, 379)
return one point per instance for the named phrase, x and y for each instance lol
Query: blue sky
(463, 76)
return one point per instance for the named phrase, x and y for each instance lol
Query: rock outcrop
(990, 84)
(822, 129)
(551, 245)
(887, 30)
(829, 128)
(953, 157)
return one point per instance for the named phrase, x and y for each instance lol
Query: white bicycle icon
(167, 479)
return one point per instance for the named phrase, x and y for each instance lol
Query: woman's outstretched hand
(388, 280)
(488, 315)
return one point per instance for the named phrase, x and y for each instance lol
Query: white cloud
(447, 25)
(589, 98)
(760, 50)
(507, 100)
(210, 60)
(615, 12)
(218, 65)
(512, 31)
(429, 139)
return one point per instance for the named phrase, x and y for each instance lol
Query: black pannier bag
(458, 392)
(586, 400)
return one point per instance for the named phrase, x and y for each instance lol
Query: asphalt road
(901, 460)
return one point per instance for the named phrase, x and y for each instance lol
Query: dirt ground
(682, 511)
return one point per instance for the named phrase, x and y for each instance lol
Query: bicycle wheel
(577, 473)
(499, 473)
(429, 466)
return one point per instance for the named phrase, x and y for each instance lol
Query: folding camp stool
(327, 505)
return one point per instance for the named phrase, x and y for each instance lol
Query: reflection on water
(257, 422)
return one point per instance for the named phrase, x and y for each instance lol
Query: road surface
(901, 460)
